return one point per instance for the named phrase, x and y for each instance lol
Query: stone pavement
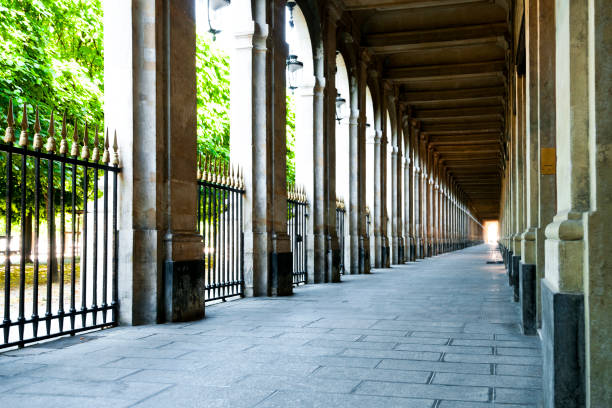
(442, 332)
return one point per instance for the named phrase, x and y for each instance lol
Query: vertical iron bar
(84, 246)
(115, 289)
(51, 242)
(105, 249)
(72, 310)
(22, 266)
(94, 287)
(6, 322)
(60, 312)
(36, 238)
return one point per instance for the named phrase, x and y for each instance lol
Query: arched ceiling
(448, 58)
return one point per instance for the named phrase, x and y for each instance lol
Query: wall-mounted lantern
(340, 102)
(214, 20)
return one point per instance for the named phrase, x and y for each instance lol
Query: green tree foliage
(51, 56)
(212, 76)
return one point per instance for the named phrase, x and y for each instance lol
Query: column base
(281, 270)
(527, 282)
(563, 346)
(514, 278)
(184, 290)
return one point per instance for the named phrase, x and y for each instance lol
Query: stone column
(151, 102)
(364, 239)
(423, 196)
(547, 183)
(332, 13)
(259, 144)
(408, 192)
(394, 197)
(377, 198)
(386, 261)
(576, 296)
(355, 169)
(527, 275)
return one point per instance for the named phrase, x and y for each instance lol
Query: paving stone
(423, 391)
(472, 358)
(436, 366)
(156, 364)
(464, 404)
(399, 355)
(81, 373)
(368, 345)
(495, 343)
(299, 399)
(377, 374)
(404, 340)
(487, 380)
(344, 323)
(528, 370)
(205, 396)
(132, 391)
(521, 352)
(63, 401)
(445, 349)
(453, 335)
(517, 396)
(275, 382)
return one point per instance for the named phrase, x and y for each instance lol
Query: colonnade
(556, 194)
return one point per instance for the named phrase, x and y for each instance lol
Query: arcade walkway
(442, 332)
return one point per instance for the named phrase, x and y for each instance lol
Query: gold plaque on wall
(548, 160)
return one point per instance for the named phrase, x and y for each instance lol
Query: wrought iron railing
(58, 210)
(220, 192)
(297, 217)
(340, 230)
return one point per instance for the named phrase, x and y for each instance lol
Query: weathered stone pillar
(377, 198)
(576, 296)
(151, 102)
(258, 142)
(355, 169)
(547, 183)
(527, 275)
(364, 239)
(332, 13)
(409, 189)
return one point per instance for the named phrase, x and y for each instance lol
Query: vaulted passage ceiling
(448, 58)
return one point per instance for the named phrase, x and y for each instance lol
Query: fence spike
(95, 155)
(9, 135)
(85, 149)
(23, 137)
(115, 161)
(64, 142)
(50, 146)
(37, 144)
(106, 154)
(74, 151)
(225, 173)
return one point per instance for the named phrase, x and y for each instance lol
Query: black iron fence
(297, 217)
(340, 230)
(220, 223)
(58, 216)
